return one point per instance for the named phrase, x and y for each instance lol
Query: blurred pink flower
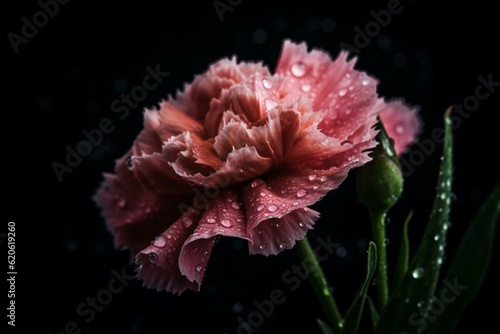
(241, 153)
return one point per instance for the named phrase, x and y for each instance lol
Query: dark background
(64, 80)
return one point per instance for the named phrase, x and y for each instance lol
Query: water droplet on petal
(257, 182)
(270, 104)
(306, 87)
(418, 272)
(365, 82)
(399, 129)
(301, 224)
(122, 203)
(342, 92)
(235, 205)
(153, 258)
(313, 177)
(262, 194)
(301, 193)
(226, 223)
(298, 69)
(262, 246)
(272, 208)
(267, 83)
(211, 221)
(159, 242)
(295, 203)
(346, 142)
(260, 207)
(348, 75)
(325, 142)
(186, 221)
(199, 268)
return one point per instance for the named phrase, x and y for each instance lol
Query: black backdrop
(64, 79)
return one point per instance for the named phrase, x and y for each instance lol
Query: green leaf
(373, 312)
(404, 254)
(324, 327)
(353, 316)
(469, 266)
(419, 283)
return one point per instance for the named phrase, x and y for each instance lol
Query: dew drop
(365, 82)
(235, 205)
(348, 75)
(122, 203)
(262, 246)
(315, 187)
(325, 142)
(306, 87)
(272, 208)
(199, 268)
(301, 193)
(267, 83)
(211, 220)
(342, 92)
(226, 223)
(313, 177)
(440, 261)
(417, 273)
(270, 104)
(260, 207)
(301, 224)
(295, 203)
(186, 221)
(298, 69)
(436, 237)
(323, 178)
(399, 129)
(262, 194)
(153, 258)
(256, 183)
(159, 242)
(443, 196)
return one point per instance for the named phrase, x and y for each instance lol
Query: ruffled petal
(347, 96)
(158, 263)
(280, 194)
(134, 214)
(223, 216)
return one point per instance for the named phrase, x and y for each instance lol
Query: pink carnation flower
(242, 153)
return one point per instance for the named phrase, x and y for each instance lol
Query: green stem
(378, 227)
(320, 285)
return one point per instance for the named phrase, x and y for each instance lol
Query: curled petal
(223, 216)
(284, 192)
(158, 263)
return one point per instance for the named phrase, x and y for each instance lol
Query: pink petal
(174, 121)
(250, 100)
(158, 264)
(223, 216)
(348, 96)
(155, 173)
(134, 214)
(190, 155)
(241, 165)
(148, 141)
(282, 193)
(222, 74)
(276, 234)
(402, 124)
(272, 139)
